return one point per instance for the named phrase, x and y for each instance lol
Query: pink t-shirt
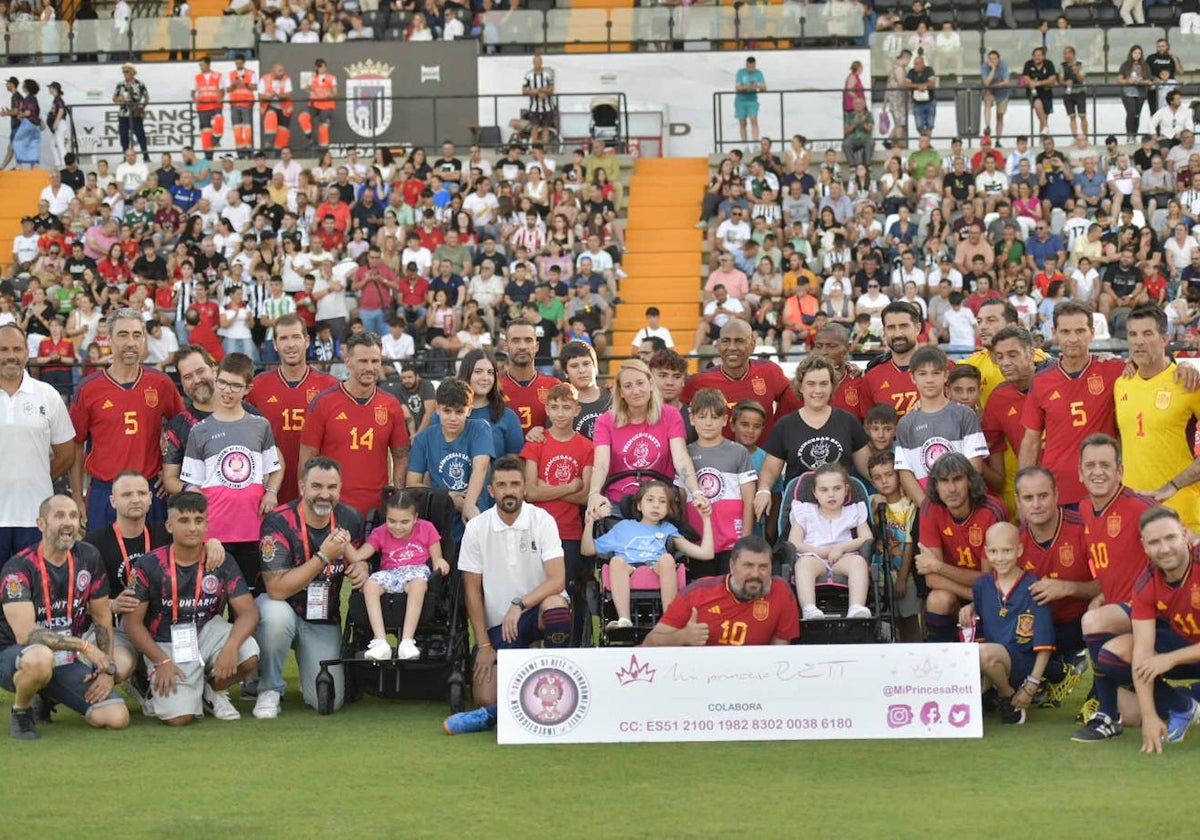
(639, 446)
(412, 551)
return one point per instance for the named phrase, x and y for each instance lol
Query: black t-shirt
(803, 448)
(590, 412)
(591, 208)
(546, 331)
(519, 292)
(167, 178)
(1040, 74)
(346, 191)
(960, 185)
(152, 269)
(1141, 158)
(76, 267)
(445, 166)
(911, 21)
(104, 539)
(76, 180)
(260, 177)
(1123, 280)
(498, 260)
(1158, 63)
(210, 267)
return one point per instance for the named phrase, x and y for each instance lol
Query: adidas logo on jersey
(341, 416)
(1124, 398)
(1012, 409)
(273, 399)
(885, 384)
(715, 609)
(107, 404)
(1056, 396)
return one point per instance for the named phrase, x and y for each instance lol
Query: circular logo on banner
(549, 696)
(235, 467)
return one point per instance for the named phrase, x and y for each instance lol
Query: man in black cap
(13, 85)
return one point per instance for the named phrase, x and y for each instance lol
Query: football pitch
(385, 768)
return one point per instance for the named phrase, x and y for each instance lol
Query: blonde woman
(639, 432)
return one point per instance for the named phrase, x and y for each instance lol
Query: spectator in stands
(1039, 78)
(921, 83)
(1134, 77)
(859, 128)
(132, 97)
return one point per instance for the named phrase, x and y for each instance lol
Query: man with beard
(745, 607)
(36, 443)
(303, 567)
(888, 379)
(284, 395)
(514, 576)
(49, 596)
(120, 412)
(414, 393)
(739, 378)
(954, 518)
(359, 426)
(198, 378)
(523, 387)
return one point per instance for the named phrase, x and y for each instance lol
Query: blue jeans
(134, 126)
(373, 321)
(280, 630)
(924, 114)
(15, 538)
(241, 345)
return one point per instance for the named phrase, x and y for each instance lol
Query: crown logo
(636, 672)
(369, 68)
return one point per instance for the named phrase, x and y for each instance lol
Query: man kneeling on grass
(1015, 632)
(511, 561)
(192, 654)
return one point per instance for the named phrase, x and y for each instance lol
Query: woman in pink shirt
(853, 87)
(639, 432)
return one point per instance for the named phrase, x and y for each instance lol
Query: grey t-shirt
(922, 437)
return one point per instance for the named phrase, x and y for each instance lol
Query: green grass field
(381, 768)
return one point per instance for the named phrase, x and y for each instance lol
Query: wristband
(482, 645)
(272, 490)
(762, 492)
(164, 662)
(324, 558)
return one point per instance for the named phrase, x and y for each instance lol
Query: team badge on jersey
(151, 395)
(975, 535)
(1162, 400)
(266, 547)
(1024, 631)
(762, 609)
(381, 415)
(82, 579)
(209, 585)
(1066, 556)
(311, 394)
(759, 385)
(1114, 525)
(1095, 385)
(851, 396)
(1195, 597)
(542, 393)
(12, 587)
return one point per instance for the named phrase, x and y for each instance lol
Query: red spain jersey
(764, 382)
(1072, 406)
(285, 405)
(124, 423)
(1001, 419)
(1176, 603)
(961, 541)
(1063, 558)
(1114, 544)
(358, 434)
(528, 400)
(891, 384)
(735, 622)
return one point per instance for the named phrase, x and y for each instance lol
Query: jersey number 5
(131, 422)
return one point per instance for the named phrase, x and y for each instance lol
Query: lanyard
(304, 531)
(175, 590)
(41, 563)
(125, 564)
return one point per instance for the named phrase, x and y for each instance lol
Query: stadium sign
(770, 693)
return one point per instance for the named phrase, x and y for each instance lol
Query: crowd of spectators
(435, 253)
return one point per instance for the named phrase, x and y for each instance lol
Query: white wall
(682, 84)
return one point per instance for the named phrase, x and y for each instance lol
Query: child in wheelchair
(828, 535)
(405, 543)
(646, 541)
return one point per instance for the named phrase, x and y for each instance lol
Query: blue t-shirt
(506, 435)
(449, 463)
(749, 77)
(1014, 620)
(201, 172)
(185, 198)
(638, 542)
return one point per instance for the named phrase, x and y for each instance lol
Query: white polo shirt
(511, 558)
(31, 421)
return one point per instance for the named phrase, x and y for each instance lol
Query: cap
(128, 66)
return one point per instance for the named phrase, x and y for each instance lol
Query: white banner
(770, 693)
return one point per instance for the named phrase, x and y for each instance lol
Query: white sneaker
(378, 649)
(812, 612)
(219, 704)
(148, 707)
(858, 611)
(407, 649)
(266, 707)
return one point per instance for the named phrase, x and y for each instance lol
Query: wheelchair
(833, 594)
(645, 600)
(441, 671)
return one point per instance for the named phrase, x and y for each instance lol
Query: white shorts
(188, 697)
(393, 581)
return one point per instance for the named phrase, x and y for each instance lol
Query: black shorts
(1075, 104)
(1045, 96)
(543, 119)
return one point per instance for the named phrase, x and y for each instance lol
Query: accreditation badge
(185, 643)
(317, 603)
